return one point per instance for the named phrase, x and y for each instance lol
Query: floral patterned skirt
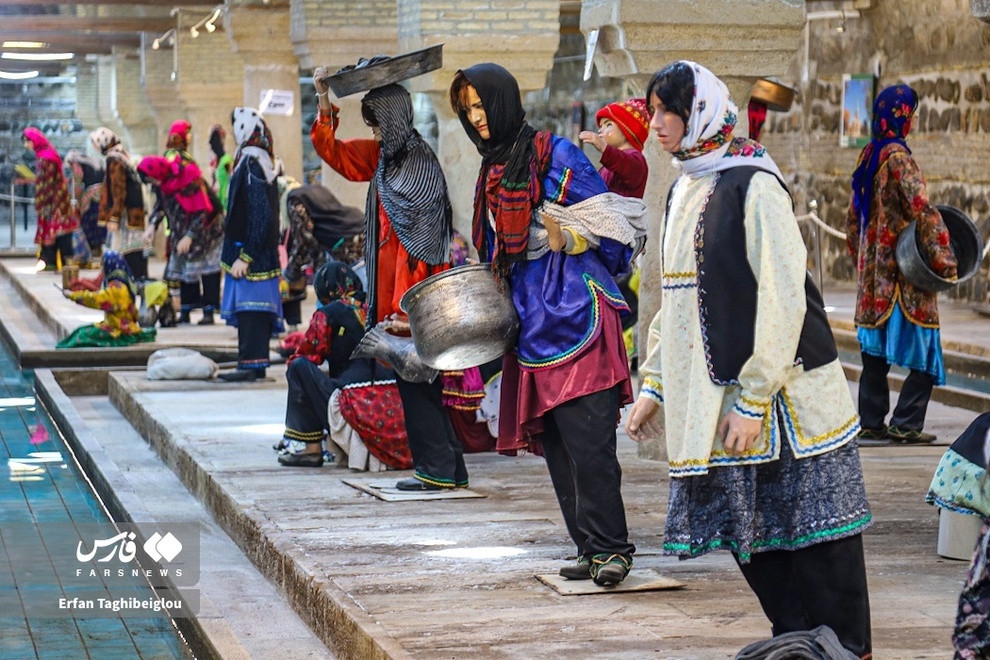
(785, 504)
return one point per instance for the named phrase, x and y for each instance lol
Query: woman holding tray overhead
(408, 229)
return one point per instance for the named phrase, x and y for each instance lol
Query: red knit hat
(632, 117)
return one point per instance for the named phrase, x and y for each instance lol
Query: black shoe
(239, 376)
(207, 319)
(183, 317)
(610, 570)
(581, 570)
(414, 484)
(301, 460)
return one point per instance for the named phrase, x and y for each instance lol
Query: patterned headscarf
(42, 147)
(115, 269)
(253, 138)
(104, 139)
(410, 184)
(334, 280)
(175, 178)
(708, 144)
(516, 153)
(178, 135)
(892, 112)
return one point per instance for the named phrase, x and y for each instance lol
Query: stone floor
(456, 578)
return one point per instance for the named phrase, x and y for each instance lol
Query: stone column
(106, 95)
(132, 106)
(521, 35)
(733, 38)
(260, 36)
(163, 93)
(86, 93)
(335, 33)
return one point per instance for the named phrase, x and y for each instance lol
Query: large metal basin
(460, 318)
(964, 240)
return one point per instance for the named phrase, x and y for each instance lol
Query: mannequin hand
(592, 138)
(738, 433)
(238, 269)
(642, 423)
(319, 73)
(555, 235)
(184, 245)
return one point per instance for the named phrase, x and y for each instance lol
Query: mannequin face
(475, 111)
(668, 126)
(609, 131)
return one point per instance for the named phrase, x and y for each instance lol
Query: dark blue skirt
(785, 504)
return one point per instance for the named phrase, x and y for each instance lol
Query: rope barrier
(818, 221)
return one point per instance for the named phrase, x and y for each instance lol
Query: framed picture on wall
(857, 109)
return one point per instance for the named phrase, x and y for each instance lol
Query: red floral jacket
(900, 196)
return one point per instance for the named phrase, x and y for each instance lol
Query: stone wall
(939, 49)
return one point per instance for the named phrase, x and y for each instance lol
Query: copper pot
(774, 95)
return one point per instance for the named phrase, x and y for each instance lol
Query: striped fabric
(411, 187)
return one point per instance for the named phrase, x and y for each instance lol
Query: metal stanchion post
(13, 216)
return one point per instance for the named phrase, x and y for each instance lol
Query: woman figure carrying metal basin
(897, 321)
(557, 237)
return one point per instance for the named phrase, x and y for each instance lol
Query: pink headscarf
(178, 135)
(42, 147)
(173, 178)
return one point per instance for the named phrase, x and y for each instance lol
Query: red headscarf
(178, 135)
(174, 179)
(42, 147)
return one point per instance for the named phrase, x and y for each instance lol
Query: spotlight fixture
(24, 44)
(842, 23)
(208, 23)
(167, 39)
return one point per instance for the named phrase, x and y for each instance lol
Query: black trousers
(579, 447)
(437, 454)
(309, 394)
(874, 396)
(254, 330)
(823, 584)
(205, 293)
(63, 245)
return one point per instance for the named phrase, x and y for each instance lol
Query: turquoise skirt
(905, 344)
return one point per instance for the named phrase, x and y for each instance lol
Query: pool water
(44, 485)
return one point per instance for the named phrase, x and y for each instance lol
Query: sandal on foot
(581, 570)
(610, 570)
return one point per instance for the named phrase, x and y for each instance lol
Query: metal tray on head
(379, 72)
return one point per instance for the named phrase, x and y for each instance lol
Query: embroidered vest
(727, 288)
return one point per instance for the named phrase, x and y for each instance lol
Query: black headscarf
(523, 150)
(334, 280)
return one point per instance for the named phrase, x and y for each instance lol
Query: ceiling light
(24, 44)
(18, 75)
(37, 57)
(210, 27)
(168, 39)
(194, 32)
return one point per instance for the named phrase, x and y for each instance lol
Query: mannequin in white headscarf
(251, 299)
(760, 425)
